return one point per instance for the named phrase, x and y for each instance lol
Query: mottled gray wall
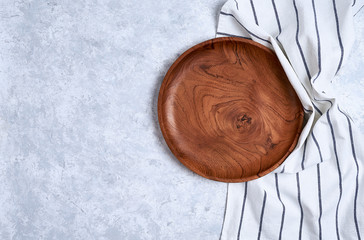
(81, 153)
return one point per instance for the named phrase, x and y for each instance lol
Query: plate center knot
(243, 121)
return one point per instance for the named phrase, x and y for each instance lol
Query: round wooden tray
(228, 111)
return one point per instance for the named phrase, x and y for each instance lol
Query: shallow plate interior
(227, 110)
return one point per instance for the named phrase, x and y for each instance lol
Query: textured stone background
(81, 153)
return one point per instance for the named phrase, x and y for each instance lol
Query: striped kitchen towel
(318, 192)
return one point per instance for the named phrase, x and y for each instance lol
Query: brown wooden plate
(228, 111)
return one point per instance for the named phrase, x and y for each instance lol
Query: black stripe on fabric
(318, 42)
(262, 215)
(339, 173)
(319, 198)
(237, 4)
(338, 36)
(345, 114)
(283, 169)
(357, 173)
(321, 100)
(307, 110)
(228, 14)
(299, 202)
(304, 156)
(298, 43)
(283, 207)
(232, 35)
(242, 209)
(318, 185)
(318, 146)
(255, 14)
(353, 3)
(358, 10)
(317, 109)
(277, 18)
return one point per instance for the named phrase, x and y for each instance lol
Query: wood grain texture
(227, 110)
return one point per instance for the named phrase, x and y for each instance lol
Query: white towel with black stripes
(318, 192)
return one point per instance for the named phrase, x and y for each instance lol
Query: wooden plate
(228, 111)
